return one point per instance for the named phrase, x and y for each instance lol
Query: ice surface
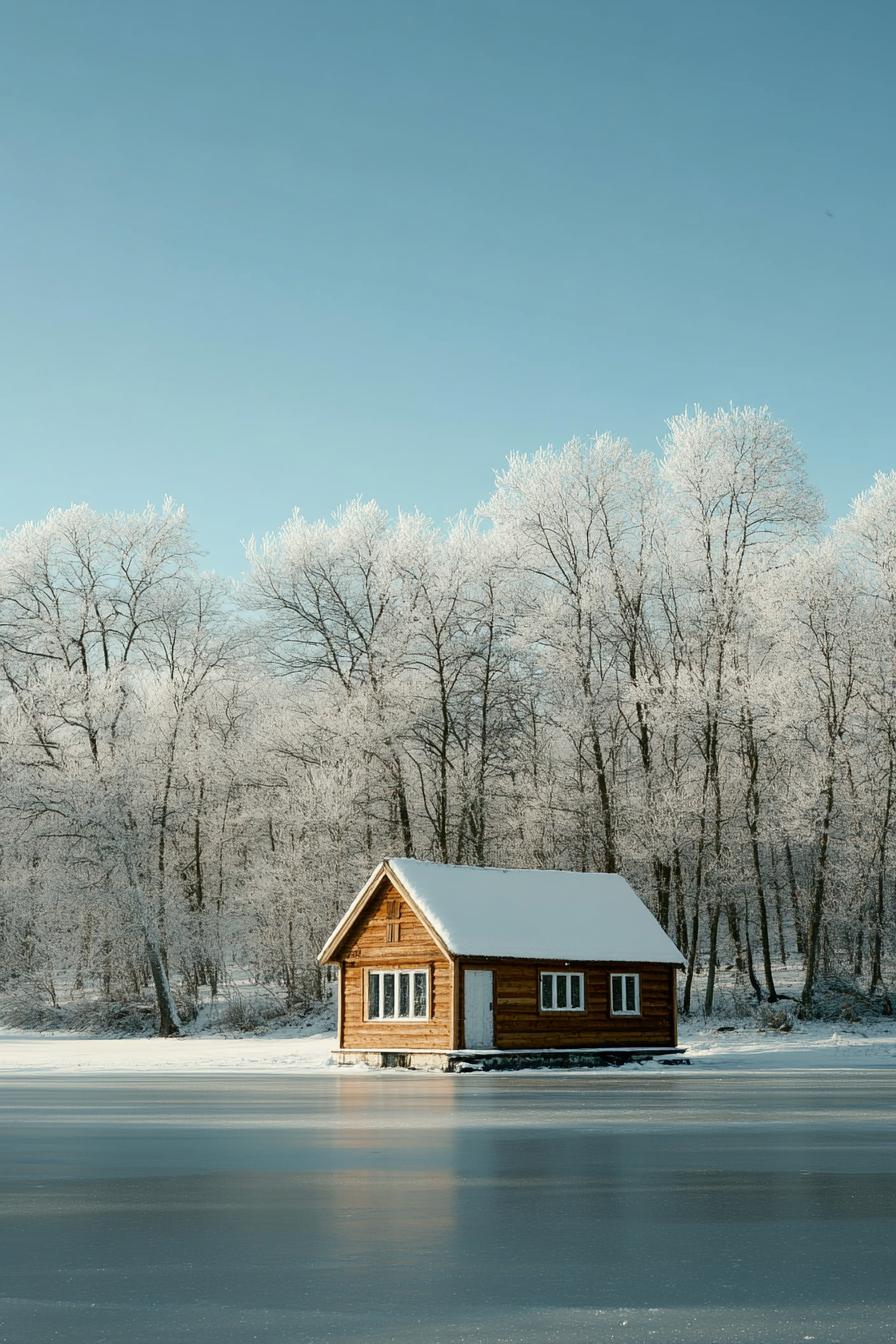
(624, 1207)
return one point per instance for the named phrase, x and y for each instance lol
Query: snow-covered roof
(532, 913)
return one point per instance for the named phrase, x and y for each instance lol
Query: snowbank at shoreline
(812, 1046)
(28, 1052)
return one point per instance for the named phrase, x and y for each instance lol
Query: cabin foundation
(507, 1061)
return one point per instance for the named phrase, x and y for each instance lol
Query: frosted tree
(328, 594)
(107, 636)
(869, 536)
(623, 662)
(819, 641)
(740, 502)
(567, 515)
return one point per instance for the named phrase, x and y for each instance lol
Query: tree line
(665, 665)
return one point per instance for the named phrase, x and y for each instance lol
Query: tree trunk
(692, 959)
(603, 789)
(681, 921)
(714, 917)
(813, 942)
(779, 912)
(877, 937)
(798, 929)
(753, 827)
(751, 972)
(877, 934)
(106, 963)
(663, 881)
(404, 816)
(169, 1019)
(734, 930)
(766, 947)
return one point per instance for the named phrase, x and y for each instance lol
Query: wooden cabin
(438, 962)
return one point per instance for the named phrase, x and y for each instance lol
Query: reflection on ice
(642, 1207)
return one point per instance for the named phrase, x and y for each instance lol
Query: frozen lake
(664, 1207)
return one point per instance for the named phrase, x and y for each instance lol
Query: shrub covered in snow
(28, 1008)
(843, 999)
(249, 1012)
(778, 1016)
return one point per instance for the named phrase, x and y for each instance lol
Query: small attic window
(393, 917)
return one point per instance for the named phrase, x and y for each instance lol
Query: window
(393, 926)
(625, 995)
(397, 995)
(562, 992)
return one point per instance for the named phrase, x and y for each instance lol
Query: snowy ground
(205, 1052)
(812, 1046)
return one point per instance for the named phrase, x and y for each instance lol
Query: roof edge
(325, 955)
(383, 869)
(678, 962)
(412, 901)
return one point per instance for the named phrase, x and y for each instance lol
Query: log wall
(520, 1023)
(390, 936)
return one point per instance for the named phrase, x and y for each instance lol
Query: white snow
(520, 912)
(811, 1047)
(24, 1052)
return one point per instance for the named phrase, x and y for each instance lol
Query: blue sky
(269, 254)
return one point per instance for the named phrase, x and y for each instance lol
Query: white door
(479, 1022)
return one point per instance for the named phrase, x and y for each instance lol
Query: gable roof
(522, 912)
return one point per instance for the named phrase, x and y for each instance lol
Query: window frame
(568, 977)
(380, 973)
(623, 1011)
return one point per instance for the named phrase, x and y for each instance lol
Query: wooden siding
(520, 1024)
(388, 934)
(368, 945)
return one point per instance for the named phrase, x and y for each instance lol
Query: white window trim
(567, 975)
(626, 1012)
(397, 970)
